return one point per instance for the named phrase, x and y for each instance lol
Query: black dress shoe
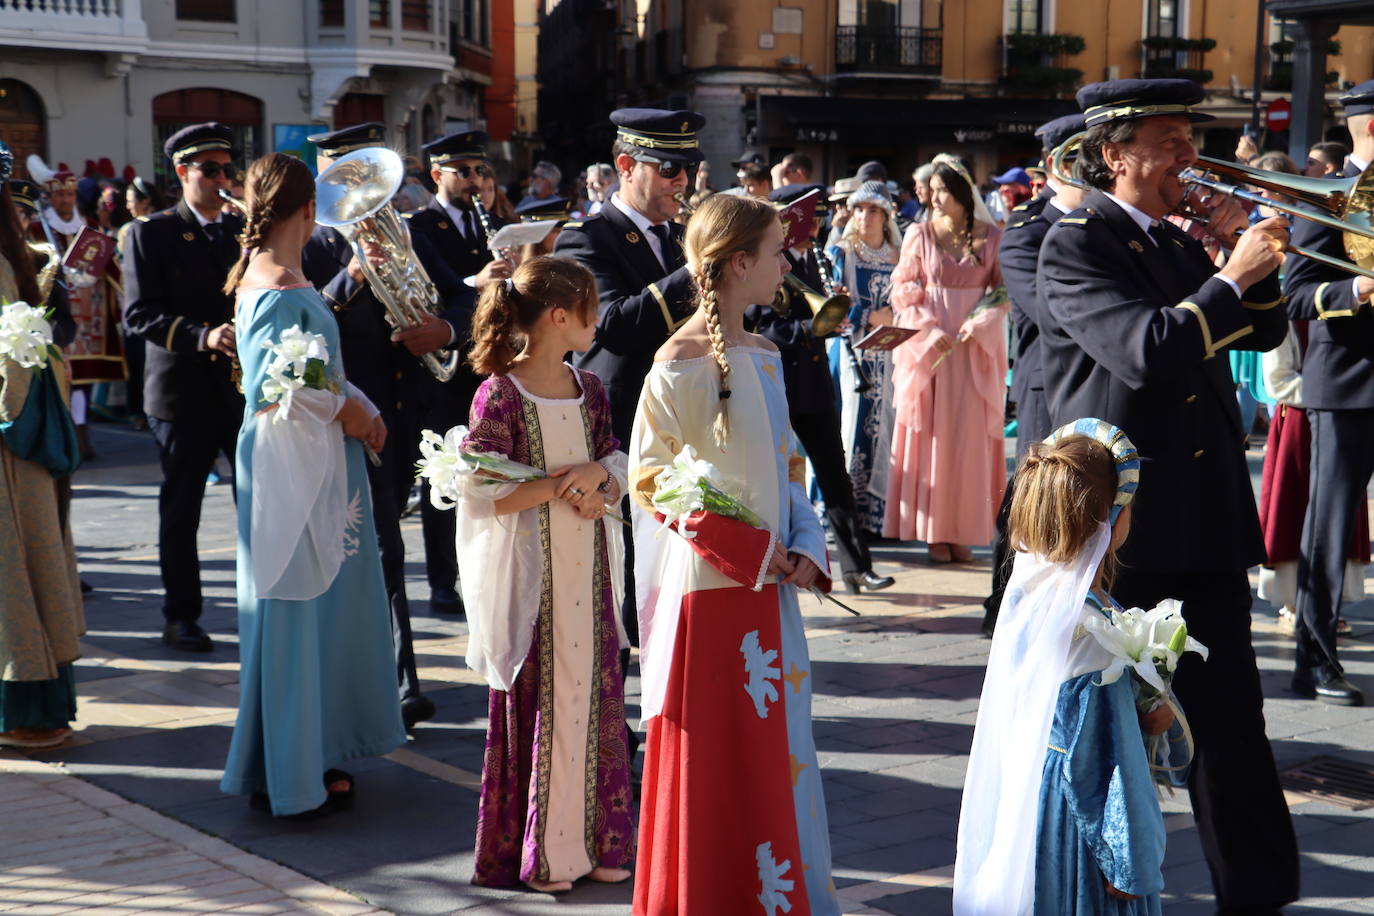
(187, 636)
(446, 601)
(874, 582)
(1328, 686)
(416, 709)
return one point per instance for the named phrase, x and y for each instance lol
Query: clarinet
(861, 381)
(485, 219)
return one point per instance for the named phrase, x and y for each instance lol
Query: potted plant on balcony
(1035, 62)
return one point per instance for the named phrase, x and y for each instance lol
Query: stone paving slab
(895, 701)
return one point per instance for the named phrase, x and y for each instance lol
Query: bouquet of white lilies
(445, 463)
(25, 335)
(691, 484)
(298, 361)
(1149, 644)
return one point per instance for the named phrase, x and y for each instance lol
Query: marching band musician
(811, 399)
(1020, 249)
(177, 262)
(634, 249)
(1338, 396)
(385, 365)
(1133, 317)
(454, 232)
(96, 353)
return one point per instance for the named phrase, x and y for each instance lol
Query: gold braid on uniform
(706, 282)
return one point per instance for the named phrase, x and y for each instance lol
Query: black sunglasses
(466, 171)
(213, 169)
(669, 170)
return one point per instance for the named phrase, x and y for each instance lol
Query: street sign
(1277, 113)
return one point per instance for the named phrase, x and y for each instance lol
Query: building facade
(90, 79)
(900, 80)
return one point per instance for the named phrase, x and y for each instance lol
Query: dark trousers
(187, 449)
(819, 434)
(1242, 819)
(390, 487)
(134, 355)
(1032, 425)
(1342, 461)
(444, 405)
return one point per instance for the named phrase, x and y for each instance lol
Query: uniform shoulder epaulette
(144, 219)
(1073, 220)
(1019, 207)
(408, 215)
(573, 224)
(1025, 222)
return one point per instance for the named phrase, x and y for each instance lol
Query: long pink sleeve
(908, 291)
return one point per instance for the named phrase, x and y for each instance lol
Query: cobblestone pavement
(128, 817)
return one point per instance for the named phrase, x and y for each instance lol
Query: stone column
(1309, 82)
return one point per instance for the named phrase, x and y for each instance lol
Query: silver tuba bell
(354, 196)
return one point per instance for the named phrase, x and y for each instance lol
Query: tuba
(354, 196)
(1345, 204)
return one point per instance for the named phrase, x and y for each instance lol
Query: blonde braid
(720, 430)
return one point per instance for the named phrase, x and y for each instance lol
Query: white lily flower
(25, 335)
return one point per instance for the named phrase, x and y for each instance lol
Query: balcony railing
(77, 24)
(888, 49)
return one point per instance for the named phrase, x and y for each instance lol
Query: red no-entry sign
(1276, 114)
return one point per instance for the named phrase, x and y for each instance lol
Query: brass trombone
(1345, 204)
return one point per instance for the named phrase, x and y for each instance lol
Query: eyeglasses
(669, 170)
(467, 171)
(213, 169)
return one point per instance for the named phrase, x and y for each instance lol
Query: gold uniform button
(1198, 453)
(1190, 399)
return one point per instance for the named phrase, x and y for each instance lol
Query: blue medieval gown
(1099, 815)
(318, 679)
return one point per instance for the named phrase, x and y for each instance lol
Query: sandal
(549, 887)
(939, 553)
(608, 875)
(335, 799)
(960, 553)
(34, 738)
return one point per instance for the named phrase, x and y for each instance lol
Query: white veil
(980, 209)
(994, 871)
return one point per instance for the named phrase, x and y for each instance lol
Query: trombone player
(1338, 397)
(386, 366)
(1135, 322)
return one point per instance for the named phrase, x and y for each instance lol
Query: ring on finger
(575, 490)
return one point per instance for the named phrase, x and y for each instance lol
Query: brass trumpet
(234, 202)
(685, 209)
(1346, 204)
(827, 313)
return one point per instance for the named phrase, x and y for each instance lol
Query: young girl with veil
(1060, 814)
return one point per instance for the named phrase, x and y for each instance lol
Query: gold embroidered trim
(544, 766)
(1059, 749)
(1333, 313)
(1264, 306)
(1208, 349)
(1227, 341)
(592, 760)
(663, 304)
(635, 138)
(167, 344)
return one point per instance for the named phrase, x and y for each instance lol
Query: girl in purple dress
(538, 582)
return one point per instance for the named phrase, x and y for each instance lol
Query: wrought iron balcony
(901, 49)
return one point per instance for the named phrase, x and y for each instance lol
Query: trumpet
(827, 312)
(856, 365)
(234, 202)
(1346, 205)
(354, 196)
(685, 209)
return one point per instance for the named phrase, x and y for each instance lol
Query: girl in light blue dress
(1060, 815)
(317, 684)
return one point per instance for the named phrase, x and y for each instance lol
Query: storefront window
(1025, 16)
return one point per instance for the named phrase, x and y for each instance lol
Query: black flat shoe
(1327, 686)
(874, 582)
(446, 601)
(415, 710)
(186, 636)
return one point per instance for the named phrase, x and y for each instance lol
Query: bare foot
(609, 875)
(550, 887)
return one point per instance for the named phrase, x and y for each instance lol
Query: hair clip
(725, 394)
(510, 285)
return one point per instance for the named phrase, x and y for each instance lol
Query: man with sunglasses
(634, 249)
(458, 164)
(386, 365)
(175, 268)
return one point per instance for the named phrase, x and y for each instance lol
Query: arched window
(359, 108)
(23, 126)
(174, 110)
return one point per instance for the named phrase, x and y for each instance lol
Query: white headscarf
(980, 209)
(1033, 653)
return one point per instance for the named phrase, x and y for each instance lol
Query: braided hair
(722, 226)
(276, 187)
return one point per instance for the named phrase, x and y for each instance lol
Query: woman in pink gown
(948, 467)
